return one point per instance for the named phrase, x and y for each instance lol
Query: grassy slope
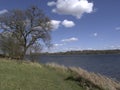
(29, 76)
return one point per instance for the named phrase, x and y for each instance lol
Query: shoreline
(89, 79)
(85, 79)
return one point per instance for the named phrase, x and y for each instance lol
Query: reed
(89, 80)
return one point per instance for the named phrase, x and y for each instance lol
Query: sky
(77, 24)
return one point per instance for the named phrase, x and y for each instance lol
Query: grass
(16, 75)
(33, 76)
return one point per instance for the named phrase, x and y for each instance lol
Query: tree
(27, 27)
(9, 46)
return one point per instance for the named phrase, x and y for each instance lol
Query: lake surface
(108, 65)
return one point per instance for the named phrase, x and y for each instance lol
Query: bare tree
(27, 27)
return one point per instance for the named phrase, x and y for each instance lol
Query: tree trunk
(22, 55)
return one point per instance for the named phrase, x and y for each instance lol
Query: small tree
(34, 51)
(26, 27)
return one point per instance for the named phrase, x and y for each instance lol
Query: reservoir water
(108, 65)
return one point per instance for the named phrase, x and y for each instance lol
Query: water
(108, 65)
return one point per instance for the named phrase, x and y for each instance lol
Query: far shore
(82, 52)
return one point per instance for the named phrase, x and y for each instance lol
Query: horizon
(77, 24)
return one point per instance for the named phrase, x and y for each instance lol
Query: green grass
(32, 76)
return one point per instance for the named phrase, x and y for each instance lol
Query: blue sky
(77, 24)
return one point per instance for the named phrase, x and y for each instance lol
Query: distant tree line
(116, 51)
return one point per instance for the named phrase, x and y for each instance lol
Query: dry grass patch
(89, 80)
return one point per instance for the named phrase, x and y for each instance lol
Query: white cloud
(72, 39)
(68, 23)
(112, 47)
(3, 11)
(95, 34)
(90, 49)
(117, 28)
(72, 7)
(51, 3)
(55, 24)
(73, 49)
(56, 45)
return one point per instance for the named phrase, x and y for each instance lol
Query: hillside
(32, 76)
(17, 75)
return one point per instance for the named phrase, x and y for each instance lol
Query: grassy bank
(16, 75)
(88, 80)
(33, 76)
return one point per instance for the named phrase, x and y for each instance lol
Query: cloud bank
(72, 7)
